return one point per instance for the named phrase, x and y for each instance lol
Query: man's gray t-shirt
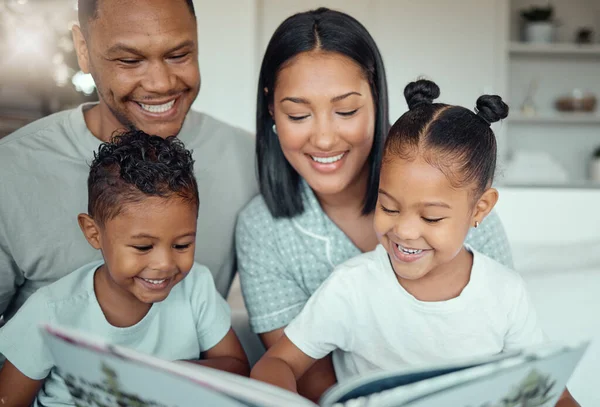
(43, 187)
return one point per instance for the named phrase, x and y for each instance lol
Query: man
(143, 57)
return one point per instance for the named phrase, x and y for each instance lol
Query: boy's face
(149, 247)
(420, 219)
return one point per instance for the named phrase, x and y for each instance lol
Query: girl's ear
(90, 230)
(484, 205)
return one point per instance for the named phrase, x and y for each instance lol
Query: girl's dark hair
(328, 31)
(452, 138)
(133, 166)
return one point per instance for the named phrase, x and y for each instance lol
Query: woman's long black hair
(329, 31)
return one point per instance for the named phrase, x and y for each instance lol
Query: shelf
(567, 185)
(556, 49)
(556, 118)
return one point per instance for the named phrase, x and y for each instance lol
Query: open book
(100, 374)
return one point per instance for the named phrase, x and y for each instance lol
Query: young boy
(146, 294)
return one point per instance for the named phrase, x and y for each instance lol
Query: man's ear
(90, 229)
(484, 205)
(81, 48)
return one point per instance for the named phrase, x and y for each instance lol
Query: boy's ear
(81, 49)
(90, 230)
(484, 205)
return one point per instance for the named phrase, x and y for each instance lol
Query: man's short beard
(128, 124)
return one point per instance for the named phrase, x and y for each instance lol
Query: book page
(99, 374)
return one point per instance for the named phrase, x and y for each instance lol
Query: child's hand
(16, 389)
(282, 365)
(566, 400)
(227, 355)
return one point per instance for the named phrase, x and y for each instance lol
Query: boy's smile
(148, 248)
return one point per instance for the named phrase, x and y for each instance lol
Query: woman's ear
(484, 205)
(90, 230)
(270, 107)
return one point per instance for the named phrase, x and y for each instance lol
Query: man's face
(143, 56)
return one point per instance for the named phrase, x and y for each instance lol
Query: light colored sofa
(555, 238)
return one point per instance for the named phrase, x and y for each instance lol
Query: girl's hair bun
(491, 108)
(421, 91)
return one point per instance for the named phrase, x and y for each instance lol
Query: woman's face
(325, 118)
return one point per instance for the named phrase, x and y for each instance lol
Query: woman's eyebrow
(306, 102)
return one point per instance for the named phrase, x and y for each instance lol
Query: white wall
(228, 60)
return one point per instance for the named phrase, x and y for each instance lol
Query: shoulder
(48, 126)
(364, 268)
(497, 277)
(256, 213)
(256, 220)
(196, 283)
(64, 298)
(73, 290)
(198, 274)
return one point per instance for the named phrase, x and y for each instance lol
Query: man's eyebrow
(187, 43)
(121, 47)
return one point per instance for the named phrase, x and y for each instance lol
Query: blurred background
(542, 57)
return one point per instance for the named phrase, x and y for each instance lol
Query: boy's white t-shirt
(371, 322)
(192, 319)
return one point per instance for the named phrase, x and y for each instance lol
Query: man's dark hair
(134, 166)
(316, 30)
(88, 10)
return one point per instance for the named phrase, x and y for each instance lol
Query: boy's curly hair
(135, 165)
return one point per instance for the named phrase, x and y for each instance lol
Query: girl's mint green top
(283, 261)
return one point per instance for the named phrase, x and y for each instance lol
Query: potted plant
(538, 25)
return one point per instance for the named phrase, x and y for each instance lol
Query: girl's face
(421, 219)
(325, 118)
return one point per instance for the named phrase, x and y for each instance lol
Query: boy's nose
(164, 262)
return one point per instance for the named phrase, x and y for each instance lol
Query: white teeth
(327, 160)
(409, 251)
(158, 108)
(155, 282)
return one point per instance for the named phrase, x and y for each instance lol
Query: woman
(322, 117)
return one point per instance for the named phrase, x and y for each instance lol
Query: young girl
(147, 293)
(422, 295)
